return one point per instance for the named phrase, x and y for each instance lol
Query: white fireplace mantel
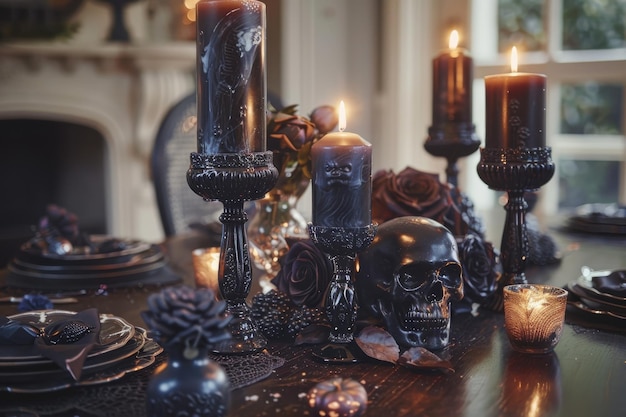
(121, 90)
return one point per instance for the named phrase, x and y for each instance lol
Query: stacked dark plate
(122, 348)
(601, 293)
(132, 263)
(607, 219)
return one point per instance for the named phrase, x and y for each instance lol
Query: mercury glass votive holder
(206, 263)
(533, 316)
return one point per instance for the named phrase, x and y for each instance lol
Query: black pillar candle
(516, 109)
(231, 76)
(452, 85)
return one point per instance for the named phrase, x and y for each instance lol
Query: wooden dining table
(584, 376)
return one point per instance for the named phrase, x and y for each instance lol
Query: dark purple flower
(416, 193)
(34, 302)
(409, 193)
(481, 268)
(288, 132)
(304, 274)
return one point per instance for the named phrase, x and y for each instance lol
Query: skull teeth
(423, 324)
(414, 319)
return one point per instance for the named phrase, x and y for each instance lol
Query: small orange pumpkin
(338, 397)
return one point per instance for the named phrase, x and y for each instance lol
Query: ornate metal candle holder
(342, 244)
(515, 170)
(233, 178)
(452, 141)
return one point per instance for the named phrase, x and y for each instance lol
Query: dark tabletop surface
(585, 376)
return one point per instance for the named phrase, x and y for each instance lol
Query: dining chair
(179, 207)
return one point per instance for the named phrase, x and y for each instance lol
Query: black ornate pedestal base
(515, 171)
(233, 179)
(452, 141)
(342, 244)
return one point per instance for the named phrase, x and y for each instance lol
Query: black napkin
(15, 333)
(614, 283)
(71, 356)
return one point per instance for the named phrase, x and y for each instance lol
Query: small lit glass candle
(206, 262)
(516, 109)
(534, 316)
(342, 178)
(231, 76)
(452, 84)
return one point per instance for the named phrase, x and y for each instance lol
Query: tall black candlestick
(232, 164)
(452, 134)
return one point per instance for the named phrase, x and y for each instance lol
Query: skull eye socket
(450, 274)
(412, 277)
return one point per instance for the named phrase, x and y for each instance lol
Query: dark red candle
(231, 76)
(516, 109)
(342, 179)
(452, 85)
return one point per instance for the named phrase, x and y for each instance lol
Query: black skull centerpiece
(408, 277)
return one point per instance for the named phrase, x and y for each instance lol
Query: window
(581, 46)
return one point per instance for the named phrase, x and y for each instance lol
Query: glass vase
(276, 222)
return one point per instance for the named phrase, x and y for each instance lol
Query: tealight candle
(342, 178)
(206, 262)
(516, 109)
(534, 316)
(231, 76)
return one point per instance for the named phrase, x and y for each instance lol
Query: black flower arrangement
(298, 301)
(187, 319)
(58, 232)
(305, 270)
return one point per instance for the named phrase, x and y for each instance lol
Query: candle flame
(514, 59)
(454, 39)
(342, 116)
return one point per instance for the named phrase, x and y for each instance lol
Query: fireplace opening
(49, 162)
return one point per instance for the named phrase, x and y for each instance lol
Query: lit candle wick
(454, 39)
(342, 116)
(514, 59)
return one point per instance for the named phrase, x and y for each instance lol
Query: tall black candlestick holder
(342, 245)
(515, 170)
(233, 178)
(452, 141)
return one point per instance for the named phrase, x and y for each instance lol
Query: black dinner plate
(145, 357)
(115, 332)
(151, 255)
(594, 302)
(92, 364)
(33, 254)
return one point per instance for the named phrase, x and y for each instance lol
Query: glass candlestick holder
(342, 245)
(234, 178)
(514, 170)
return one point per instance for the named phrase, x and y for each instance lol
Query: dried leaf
(313, 335)
(377, 343)
(419, 358)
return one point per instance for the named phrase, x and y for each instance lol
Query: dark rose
(324, 118)
(304, 274)
(288, 132)
(409, 193)
(481, 268)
